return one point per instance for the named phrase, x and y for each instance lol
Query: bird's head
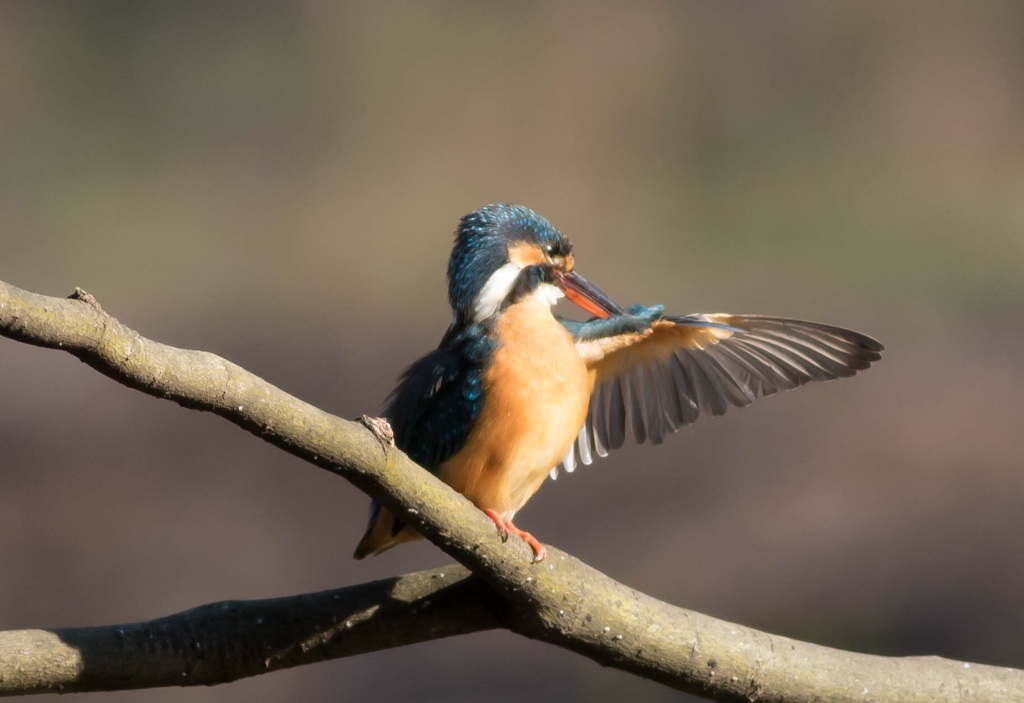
(504, 252)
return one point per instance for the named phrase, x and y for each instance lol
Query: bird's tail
(383, 532)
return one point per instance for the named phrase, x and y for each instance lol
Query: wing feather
(437, 400)
(696, 364)
(615, 405)
(635, 385)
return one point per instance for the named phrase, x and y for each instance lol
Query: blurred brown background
(278, 183)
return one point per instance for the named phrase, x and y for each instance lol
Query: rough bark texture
(561, 600)
(226, 641)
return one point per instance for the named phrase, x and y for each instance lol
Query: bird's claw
(539, 551)
(496, 519)
(505, 528)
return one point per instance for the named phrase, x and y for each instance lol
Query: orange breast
(536, 396)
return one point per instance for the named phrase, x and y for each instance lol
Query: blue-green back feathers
(438, 398)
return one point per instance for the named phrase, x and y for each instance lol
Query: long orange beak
(580, 291)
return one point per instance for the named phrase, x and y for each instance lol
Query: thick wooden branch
(561, 600)
(227, 641)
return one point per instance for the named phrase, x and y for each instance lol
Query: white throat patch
(547, 294)
(500, 284)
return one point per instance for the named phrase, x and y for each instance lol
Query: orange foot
(505, 527)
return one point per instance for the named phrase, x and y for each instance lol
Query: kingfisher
(515, 393)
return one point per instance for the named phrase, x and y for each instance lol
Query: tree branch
(560, 600)
(227, 641)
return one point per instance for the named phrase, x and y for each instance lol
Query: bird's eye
(550, 249)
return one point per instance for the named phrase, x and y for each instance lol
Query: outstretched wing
(697, 364)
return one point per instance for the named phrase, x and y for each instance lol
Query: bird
(515, 393)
